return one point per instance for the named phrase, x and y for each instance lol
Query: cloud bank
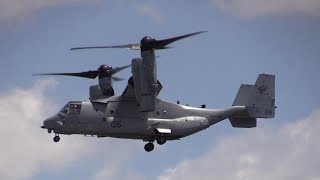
(288, 153)
(25, 148)
(251, 8)
(115, 160)
(19, 9)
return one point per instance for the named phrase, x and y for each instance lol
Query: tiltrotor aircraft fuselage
(139, 114)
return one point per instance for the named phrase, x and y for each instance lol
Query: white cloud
(19, 9)
(249, 8)
(152, 12)
(119, 152)
(290, 152)
(25, 148)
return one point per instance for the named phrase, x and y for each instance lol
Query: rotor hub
(147, 43)
(104, 67)
(104, 70)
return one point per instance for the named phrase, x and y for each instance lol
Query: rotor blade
(128, 46)
(117, 69)
(161, 44)
(117, 78)
(87, 74)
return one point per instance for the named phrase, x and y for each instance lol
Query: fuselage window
(74, 108)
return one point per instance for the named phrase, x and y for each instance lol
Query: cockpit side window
(65, 109)
(72, 108)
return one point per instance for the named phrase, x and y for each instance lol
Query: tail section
(259, 100)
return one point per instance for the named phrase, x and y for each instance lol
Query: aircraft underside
(149, 134)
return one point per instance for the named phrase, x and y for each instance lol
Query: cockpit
(72, 107)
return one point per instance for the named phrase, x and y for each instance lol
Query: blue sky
(244, 38)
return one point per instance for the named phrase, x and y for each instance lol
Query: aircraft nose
(52, 122)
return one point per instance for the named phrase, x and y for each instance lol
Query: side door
(120, 115)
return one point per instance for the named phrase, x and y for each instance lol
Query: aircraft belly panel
(180, 126)
(137, 128)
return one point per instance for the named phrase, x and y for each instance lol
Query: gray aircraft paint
(97, 119)
(120, 117)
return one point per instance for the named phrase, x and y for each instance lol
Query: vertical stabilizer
(259, 99)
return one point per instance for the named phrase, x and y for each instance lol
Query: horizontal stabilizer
(258, 99)
(243, 122)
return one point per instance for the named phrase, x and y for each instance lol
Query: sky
(244, 38)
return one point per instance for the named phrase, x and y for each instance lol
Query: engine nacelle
(144, 87)
(103, 90)
(95, 93)
(105, 84)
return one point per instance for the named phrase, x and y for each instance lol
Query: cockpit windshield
(73, 107)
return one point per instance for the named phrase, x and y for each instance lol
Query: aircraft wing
(128, 92)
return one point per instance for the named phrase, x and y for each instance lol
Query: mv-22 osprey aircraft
(138, 114)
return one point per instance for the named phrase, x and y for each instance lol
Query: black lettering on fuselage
(115, 124)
